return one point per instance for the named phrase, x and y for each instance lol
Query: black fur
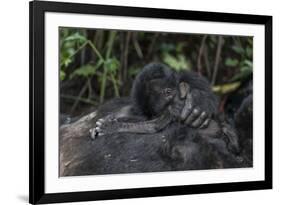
(146, 103)
(177, 147)
(202, 94)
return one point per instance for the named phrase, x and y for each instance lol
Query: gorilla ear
(184, 89)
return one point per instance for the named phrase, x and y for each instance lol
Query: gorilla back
(175, 147)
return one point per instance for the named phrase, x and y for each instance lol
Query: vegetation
(96, 65)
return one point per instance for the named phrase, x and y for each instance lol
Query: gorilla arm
(110, 124)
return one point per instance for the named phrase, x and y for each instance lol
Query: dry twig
(217, 60)
(202, 46)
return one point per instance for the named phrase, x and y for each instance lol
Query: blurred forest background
(97, 65)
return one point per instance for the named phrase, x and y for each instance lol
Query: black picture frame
(37, 192)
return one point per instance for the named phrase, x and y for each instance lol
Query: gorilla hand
(104, 126)
(184, 110)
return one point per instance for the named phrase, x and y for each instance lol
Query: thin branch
(99, 39)
(207, 62)
(74, 98)
(151, 47)
(126, 52)
(89, 88)
(122, 59)
(137, 46)
(79, 49)
(81, 93)
(217, 60)
(110, 43)
(115, 85)
(202, 46)
(99, 74)
(96, 50)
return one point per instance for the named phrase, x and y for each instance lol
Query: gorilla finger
(98, 123)
(101, 134)
(184, 89)
(227, 130)
(199, 121)
(205, 123)
(91, 130)
(185, 113)
(193, 115)
(187, 109)
(93, 133)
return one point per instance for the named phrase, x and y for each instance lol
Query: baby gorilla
(154, 90)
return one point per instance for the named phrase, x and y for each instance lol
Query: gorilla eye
(167, 91)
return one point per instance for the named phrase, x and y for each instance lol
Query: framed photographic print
(140, 102)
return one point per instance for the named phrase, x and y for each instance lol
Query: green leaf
(66, 61)
(84, 71)
(133, 70)
(68, 51)
(112, 64)
(76, 37)
(226, 88)
(238, 49)
(180, 46)
(178, 63)
(184, 64)
(249, 51)
(248, 63)
(167, 47)
(250, 40)
(244, 73)
(231, 62)
(62, 75)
